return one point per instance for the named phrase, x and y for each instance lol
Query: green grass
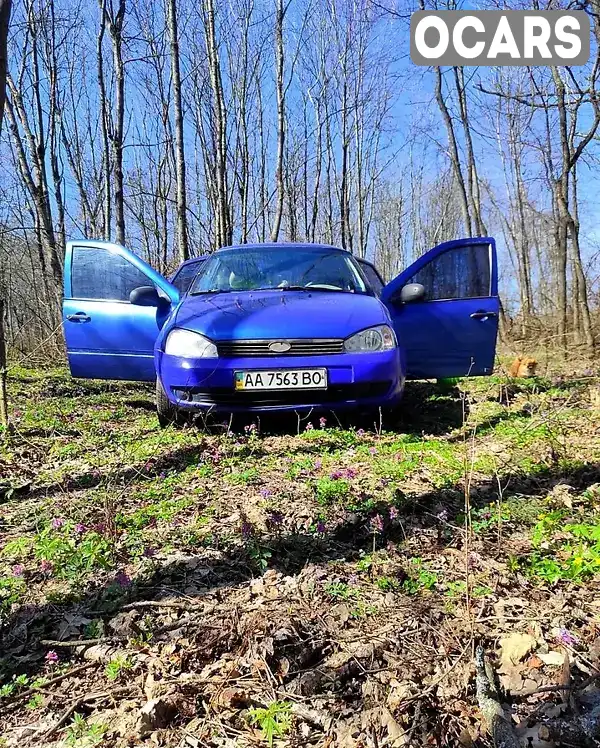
(95, 458)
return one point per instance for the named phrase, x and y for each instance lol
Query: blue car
(280, 326)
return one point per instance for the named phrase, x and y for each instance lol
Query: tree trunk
(224, 231)
(3, 390)
(318, 166)
(472, 176)
(454, 154)
(107, 211)
(584, 322)
(181, 209)
(279, 55)
(115, 26)
(5, 8)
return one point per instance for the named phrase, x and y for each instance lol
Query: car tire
(168, 414)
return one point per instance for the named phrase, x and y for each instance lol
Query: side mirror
(145, 296)
(410, 293)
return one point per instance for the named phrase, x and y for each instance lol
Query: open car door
(107, 336)
(444, 309)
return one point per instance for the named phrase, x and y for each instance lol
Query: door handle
(78, 317)
(482, 315)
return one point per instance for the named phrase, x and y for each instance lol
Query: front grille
(299, 347)
(224, 396)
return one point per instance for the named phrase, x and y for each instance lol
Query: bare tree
(113, 20)
(224, 228)
(5, 9)
(280, 87)
(182, 236)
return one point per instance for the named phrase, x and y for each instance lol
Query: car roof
(282, 245)
(192, 259)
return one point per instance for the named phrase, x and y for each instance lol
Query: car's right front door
(450, 331)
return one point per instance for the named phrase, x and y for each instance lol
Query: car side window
(459, 273)
(182, 280)
(372, 277)
(97, 273)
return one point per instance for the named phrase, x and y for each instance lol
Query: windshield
(250, 269)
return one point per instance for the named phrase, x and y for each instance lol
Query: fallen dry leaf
(515, 647)
(554, 659)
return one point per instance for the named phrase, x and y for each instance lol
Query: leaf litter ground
(296, 580)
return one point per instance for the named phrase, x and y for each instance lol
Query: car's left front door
(106, 336)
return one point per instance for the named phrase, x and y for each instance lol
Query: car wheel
(168, 414)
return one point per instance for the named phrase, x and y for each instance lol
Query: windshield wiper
(211, 291)
(311, 288)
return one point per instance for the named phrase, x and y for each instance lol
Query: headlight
(380, 338)
(187, 344)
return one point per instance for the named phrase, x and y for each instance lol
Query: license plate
(282, 379)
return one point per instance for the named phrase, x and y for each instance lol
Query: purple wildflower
(51, 656)
(351, 472)
(274, 518)
(318, 464)
(321, 527)
(149, 552)
(393, 513)
(322, 422)
(247, 530)
(373, 450)
(57, 523)
(123, 580)
(18, 570)
(566, 637)
(360, 432)
(265, 493)
(309, 426)
(46, 567)
(377, 523)
(80, 529)
(336, 475)
(162, 475)
(442, 514)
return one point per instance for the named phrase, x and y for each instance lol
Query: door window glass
(97, 273)
(372, 276)
(182, 280)
(459, 273)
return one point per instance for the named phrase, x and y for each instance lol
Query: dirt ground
(297, 581)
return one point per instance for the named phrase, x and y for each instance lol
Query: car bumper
(354, 380)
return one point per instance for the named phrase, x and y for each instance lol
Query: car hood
(279, 314)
